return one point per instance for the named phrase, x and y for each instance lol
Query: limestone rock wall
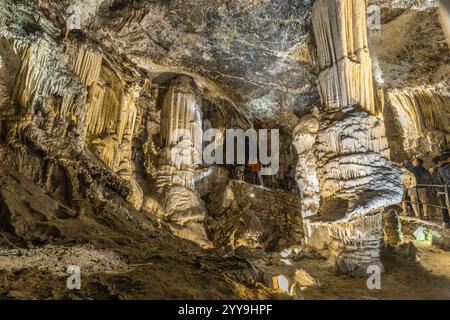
(46, 90)
(9, 68)
(411, 60)
(111, 115)
(58, 106)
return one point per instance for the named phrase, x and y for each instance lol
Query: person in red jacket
(256, 168)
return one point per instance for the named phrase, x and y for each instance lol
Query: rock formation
(304, 141)
(445, 16)
(355, 176)
(422, 113)
(345, 77)
(181, 152)
(104, 106)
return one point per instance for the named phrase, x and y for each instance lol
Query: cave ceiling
(257, 54)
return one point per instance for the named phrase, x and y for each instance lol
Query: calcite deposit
(106, 114)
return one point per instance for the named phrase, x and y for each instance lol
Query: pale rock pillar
(345, 77)
(181, 140)
(181, 126)
(356, 178)
(306, 171)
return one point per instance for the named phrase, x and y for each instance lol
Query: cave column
(356, 178)
(181, 141)
(181, 131)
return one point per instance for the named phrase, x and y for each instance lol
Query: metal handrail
(249, 177)
(445, 192)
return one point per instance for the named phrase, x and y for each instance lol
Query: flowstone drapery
(110, 119)
(423, 116)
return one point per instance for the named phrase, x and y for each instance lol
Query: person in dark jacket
(443, 178)
(408, 182)
(437, 162)
(419, 194)
(433, 170)
(289, 177)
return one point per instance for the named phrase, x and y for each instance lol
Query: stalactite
(87, 65)
(42, 75)
(424, 115)
(111, 113)
(345, 77)
(111, 108)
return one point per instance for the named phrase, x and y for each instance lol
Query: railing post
(418, 201)
(447, 199)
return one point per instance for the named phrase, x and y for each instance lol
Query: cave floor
(124, 260)
(109, 278)
(427, 278)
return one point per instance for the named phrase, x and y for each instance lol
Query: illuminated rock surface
(91, 92)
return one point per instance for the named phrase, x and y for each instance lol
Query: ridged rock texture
(355, 175)
(415, 93)
(423, 115)
(306, 171)
(181, 140)
(344, 60)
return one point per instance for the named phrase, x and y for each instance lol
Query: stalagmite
(181, 112)
(354, 243)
